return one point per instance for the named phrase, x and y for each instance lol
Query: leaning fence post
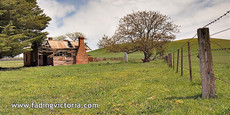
(166, 58)
(206, 64)
(181, 61)
(177, 64)
(189, 61)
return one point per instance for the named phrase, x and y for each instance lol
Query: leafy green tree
(21, 25)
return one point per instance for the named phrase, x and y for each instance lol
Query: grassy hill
(171, 47)
(118, 87)
(194, 44)
(105, 54)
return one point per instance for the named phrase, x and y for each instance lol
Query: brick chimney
(81, 55)
(50, 38)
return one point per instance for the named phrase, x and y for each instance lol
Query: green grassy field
(118, 87)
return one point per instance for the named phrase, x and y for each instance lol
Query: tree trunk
(147, 57)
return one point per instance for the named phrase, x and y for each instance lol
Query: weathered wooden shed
(57, 52)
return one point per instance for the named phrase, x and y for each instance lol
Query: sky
(96, 18)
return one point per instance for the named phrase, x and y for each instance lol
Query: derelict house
(57, 52)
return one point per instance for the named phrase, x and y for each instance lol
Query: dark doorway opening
(45, 60)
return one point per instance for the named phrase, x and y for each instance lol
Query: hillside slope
(105, 54)
(171, 47)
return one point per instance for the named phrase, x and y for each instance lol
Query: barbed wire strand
(220, 31)
(220, 49)
(191, 55)
(193, 44)
(212, 22)
(220, 63)
(188, 40)
(204, 27)
(223, 80)
(220, 46)
(208, 25)
(184, 44)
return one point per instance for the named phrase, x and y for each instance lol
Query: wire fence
(186, 56)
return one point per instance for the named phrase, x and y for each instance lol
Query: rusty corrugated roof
(58, 44)
(74, 43)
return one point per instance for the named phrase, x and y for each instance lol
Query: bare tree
(141, 31)
(74, 36)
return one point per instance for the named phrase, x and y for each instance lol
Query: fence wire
(220, 32)
(223, 80)
(225, 49)
(212, 22)
(221, 48)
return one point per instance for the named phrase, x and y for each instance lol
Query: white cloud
(200, 15)
(100, 17)
(57, 11)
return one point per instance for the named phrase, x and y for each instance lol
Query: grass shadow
(187, 97)
(196, 83)
(10, 68)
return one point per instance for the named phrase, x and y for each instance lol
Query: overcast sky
(94, 18)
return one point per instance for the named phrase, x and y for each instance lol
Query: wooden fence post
(206, 64)
(173, 60)
(177, 64)
(166, 58)
(189, 61)
(182, 61)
